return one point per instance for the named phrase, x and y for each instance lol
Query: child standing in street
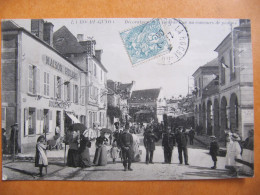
(114, 152)
(213, 150)
(40, 157)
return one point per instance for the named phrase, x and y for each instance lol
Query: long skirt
(114, 152)
(136, 156)
(85, 158)
(100, 158)
(73, 158)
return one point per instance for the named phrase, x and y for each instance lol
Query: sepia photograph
(132, 99)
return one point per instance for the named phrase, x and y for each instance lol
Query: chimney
(98, 54)
(89, 46)
(37, 27)
(48, 33)
(80, 37)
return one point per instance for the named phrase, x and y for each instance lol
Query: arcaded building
(224, 86)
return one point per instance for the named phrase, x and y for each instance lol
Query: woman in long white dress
(229, 143)
(136, 153)
(235, 153)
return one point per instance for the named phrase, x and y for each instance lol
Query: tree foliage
(113, 112)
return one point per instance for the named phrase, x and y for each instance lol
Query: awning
(73, 118)
(144, 112)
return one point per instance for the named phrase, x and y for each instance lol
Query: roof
(65, 42)
(9, 25)
(100, 64)
(213, 64)
(145, 95)
(123, 86)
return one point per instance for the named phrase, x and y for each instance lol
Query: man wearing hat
(235, 154)
(149, 143)
(213, 150)
(126, 143)
(14, 139)
(181, 139)
(168, 142)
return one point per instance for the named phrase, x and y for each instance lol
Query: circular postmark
(178, 39)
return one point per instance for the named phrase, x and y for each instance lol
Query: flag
(224, 65)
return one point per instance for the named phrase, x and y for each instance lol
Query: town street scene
(127, 99)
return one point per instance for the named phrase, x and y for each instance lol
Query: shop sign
(59, 104)
(58, 66)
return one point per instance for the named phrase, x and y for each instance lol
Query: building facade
(83, 54)
(226, 100)
(40, 87)
(149, 102)
(119, 95)
(206, 92)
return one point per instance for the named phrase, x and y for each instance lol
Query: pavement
(198, 168)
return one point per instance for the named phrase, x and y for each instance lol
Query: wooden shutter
(61, 88)
(55, 86)
(38, 81)
(65, 93)
(26, 113)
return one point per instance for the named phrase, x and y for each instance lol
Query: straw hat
(235, 137)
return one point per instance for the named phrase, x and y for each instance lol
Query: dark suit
(126, 143)
(181, 139)
(213, 150)
(191, 136)
(168, 142)
(149, 144)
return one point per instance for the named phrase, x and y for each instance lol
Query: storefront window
(31, 121)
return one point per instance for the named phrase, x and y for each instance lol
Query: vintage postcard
(127, 99)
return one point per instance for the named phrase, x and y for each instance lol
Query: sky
(204, 37)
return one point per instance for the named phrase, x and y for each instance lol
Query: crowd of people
(124, 144)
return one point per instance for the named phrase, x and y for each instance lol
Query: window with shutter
(46, 84)
(76, 95)
(38, 81)
(55, 85)
(60, 88)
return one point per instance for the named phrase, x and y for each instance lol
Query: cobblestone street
(199, 168)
